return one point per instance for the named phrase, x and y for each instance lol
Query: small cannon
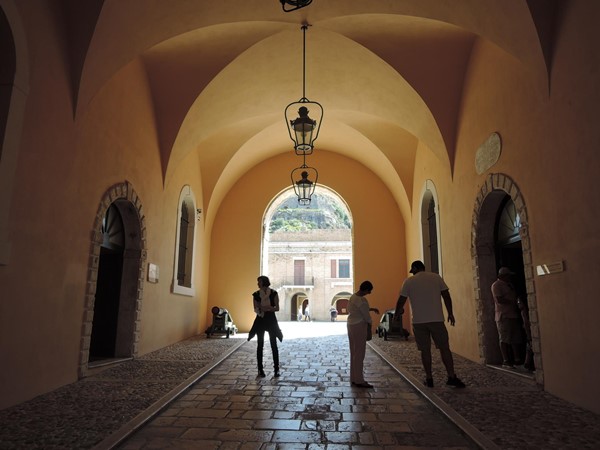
(222, 323)
(389, 328)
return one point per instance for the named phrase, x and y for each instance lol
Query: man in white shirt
(424, 290)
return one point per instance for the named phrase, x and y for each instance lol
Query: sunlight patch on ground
(295, 330)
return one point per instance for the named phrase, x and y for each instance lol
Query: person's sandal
(428, 382)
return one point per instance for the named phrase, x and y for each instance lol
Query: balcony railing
(304, 282)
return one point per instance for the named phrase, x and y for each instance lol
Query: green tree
(323, 213)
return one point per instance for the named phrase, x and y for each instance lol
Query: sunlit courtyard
(295, 330)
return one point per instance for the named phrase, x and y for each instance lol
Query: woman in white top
(359, 320)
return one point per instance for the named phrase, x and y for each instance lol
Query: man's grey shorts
(424, 332)
(510, 331)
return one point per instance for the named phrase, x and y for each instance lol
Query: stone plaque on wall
(488, 153)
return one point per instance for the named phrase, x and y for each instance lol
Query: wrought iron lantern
(293, 5)
(304, 129)
(303, 186)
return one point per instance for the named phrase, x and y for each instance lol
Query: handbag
(369, 332)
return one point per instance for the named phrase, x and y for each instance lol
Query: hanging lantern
(293, 5)
(303, 129)
(303, 186)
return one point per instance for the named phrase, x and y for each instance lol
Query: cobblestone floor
(312, 405)
(81, 414)
(511, 412)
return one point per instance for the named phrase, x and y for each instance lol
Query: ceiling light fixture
(303, 187)
(304, 130)
(293, 5)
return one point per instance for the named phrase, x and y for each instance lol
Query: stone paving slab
(92, 411)
(508, 408)
(311, 405)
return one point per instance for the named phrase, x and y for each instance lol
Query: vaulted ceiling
(389, 74)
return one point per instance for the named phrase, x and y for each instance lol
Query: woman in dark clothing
(266, 303)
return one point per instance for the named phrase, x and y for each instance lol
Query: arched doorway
(113, 301)
(500, 236)
(298, 303)
(307, 250)
(340, 302)
(108, 287)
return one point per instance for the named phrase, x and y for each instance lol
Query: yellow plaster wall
(169, 317)
(43, 285)
(65, 168)
(544, 151)
(565, 221)
(454, 222)
(66, 164)
(130, 150)
(378, 231)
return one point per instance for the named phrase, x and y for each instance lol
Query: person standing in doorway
(307, 312)
(508, 318)
(424, 290)
(333, 313)
(266, 303)
(529, 359)
(359, 322)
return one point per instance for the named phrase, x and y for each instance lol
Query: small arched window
(7, 75)
(430, 229)
(184, 250)
(14, 87)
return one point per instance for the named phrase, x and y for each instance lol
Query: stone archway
(124, 197)
(340, 301)
(14, 90)
(488, 201)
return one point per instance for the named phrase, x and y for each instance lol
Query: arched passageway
(307, 252)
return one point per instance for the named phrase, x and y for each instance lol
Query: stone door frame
(135, 257)
(483, 258)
